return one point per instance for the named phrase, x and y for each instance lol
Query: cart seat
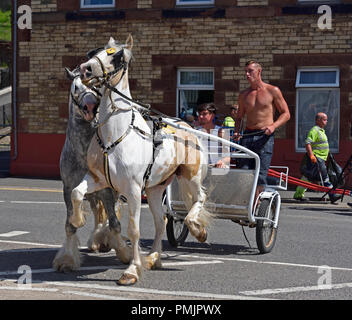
(228, 192)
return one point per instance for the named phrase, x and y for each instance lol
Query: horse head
(107, 62)
(85, 99)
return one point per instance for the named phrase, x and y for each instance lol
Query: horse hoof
(127, 280)
(203, 235)
(104, 248)
(152, 261)
(64, 268)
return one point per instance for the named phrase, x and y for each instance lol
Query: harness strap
(107, 170)
(149, 168)
(106, 149)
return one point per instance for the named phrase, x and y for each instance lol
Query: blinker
(91, 53)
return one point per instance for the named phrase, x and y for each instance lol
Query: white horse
(73, 166)
(126, 140)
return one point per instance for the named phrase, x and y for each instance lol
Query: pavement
(313, 198)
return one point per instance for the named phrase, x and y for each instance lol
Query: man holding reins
(258, 103)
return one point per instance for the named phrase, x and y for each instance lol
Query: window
(194, 87)
(319, 2)
(317, 91)
(194, 2)
(87, 4)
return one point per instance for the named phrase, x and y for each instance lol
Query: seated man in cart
(206, 116)
(258, 103)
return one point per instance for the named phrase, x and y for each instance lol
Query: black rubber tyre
(176, 231)
(265, 232)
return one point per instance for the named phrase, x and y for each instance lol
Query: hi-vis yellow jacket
(319, 142)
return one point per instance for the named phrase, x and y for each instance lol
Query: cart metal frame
(231, 193)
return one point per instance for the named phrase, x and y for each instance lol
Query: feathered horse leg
(68, 257)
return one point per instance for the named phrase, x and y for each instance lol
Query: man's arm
(309, 149)
(281, 105)
(240, 114)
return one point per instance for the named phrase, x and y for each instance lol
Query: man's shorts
(263, 146)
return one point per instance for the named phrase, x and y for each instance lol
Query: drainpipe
(14, 79)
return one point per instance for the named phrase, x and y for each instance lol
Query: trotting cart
(230, 195)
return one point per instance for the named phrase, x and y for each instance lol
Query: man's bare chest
(258, 100)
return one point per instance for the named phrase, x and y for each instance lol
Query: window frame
(318, 2)
(180, 86)
(337, 89)
(180, 3)
(97, 6)
(318, 85)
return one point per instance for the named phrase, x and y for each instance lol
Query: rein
(147, 108)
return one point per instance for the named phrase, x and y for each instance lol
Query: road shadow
(211, 249)
(335, 211)
(39, 260)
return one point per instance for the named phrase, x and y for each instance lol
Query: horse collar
(104, 148)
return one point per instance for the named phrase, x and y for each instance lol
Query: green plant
(5, 25)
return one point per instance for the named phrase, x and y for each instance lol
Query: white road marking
(30, 189)
(95, 295)
(297, 289)
(38, 202)
(13, 234)
(189, 263)
(265, 262)
(50, 270)
(152, 291)
(166, 264)
(141, 290)
(29, 250)
(31, 243)
(24, 288)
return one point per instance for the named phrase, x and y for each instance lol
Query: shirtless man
(259, 103)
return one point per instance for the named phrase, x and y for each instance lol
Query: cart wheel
(265, 232)
(176, 231)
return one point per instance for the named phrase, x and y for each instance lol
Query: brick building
(185, 52)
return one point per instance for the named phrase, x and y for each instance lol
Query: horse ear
(111, 42)
(129, 42)
(69, 74)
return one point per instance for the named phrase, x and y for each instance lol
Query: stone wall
(222, 38)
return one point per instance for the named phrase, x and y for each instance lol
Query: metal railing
(5, 119)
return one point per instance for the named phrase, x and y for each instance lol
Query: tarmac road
(311, 258)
